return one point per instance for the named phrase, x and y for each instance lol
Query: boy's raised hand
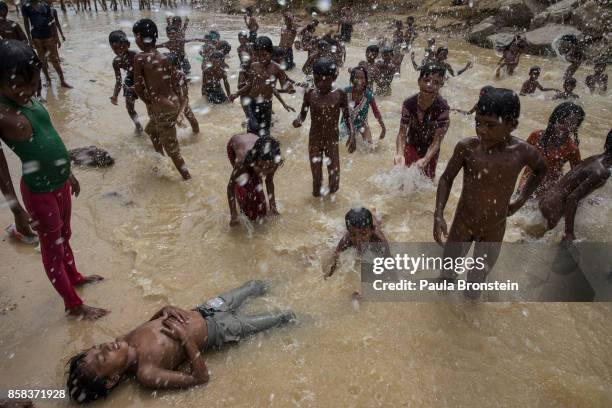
(440, 229)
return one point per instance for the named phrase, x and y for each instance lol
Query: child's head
(287, 17)
(3, 9)
(325, 73)
(278, 55)
(19, 71)
(599, 64)
(372, 52)
(360, 225)
(249, 11)
(224, 47)
(263, 49)
(118, 42)
(174, 22)
(399, 24)
(145, 31)
(485, 89)
(497, 113)
(563, 122)
(265, 156)
(431, 78)
(431, 42)
(569, 84)
(243, 37)
(323, 45)
(359, 77)
(93, 373)
(217, 58)
(534, 72)
(410, 20)
(442, 53)
(387, 54)
(568, 43)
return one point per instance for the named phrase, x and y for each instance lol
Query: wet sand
(159, 240)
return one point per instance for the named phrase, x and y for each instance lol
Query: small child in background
(429, 53)
(441, 59)
(361, 229)
(530, 85)
(372, 52)
(398, 35)
(254, 161)
(245, 49)
(483, 90)
(288, 34)
(510, 57)
(211, 80)
(323, 50)
(411, 33)
(386, 68)
(598, 81)
(251, 23)
(124, 60)
(9, 29)
(568, 90)
(326, 104)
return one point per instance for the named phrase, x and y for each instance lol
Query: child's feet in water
(87, 312)
(65, 84)
(89, 279)
(139, 129)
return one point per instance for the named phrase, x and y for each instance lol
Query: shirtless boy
(162, 88)
(532, 83)
(251, 23)
(569, 84)
(598, 81)
(387, 69)
(245, 49)
(259, 81)
(563, 198)
(9, 29)
(288, 34)
(211, 80)
(254, 161)
(491, 164)
(153, 352)
(325, 104)
(124, 60)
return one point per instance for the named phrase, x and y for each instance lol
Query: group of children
(492, 162)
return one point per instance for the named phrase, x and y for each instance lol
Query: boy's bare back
(156, 73)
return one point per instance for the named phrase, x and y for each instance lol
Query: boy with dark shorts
(491, 164)
(153, 352)
(10, 30)
(326, 104)
(39, 16)
(425, 120)
(562, 199)
(161, 87)
(251, 23)
(124, 60)
(211, 80)
(46, 189)
(288, 34)
(259, 81)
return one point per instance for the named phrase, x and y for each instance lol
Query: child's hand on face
(114, 100)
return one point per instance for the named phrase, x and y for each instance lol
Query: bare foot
(87, 312)
(89, 279)
(66, 85)
(139, 129)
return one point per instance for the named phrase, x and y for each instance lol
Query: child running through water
(510, 57)
(162, 88)
(360, 99)
(211, 80)
(361, 229)
(124, 60)
(598, 81)
(9, 29)
(288, 34)
(251, 23)
(153, 352)
(569, 84)
(491, 164)
(530, 85)
(425, 120)
(47, 182)
(325, 104)
(562, 199)
(557, 144)
(254, 160)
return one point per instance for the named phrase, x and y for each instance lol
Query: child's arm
(400, 144)
(271, 196)
(21, 36)
(445, 184)
(592, 182)
(351, 143)
(541, 88)
(449, 69)
(285, 82)
(277, 94)
(22, 218)
(414, 64)
(26, 25)
(435, 145)
(538, 167)
(58, 25)
(226, 84)
(117, 82)
(231, 194)
(139, 82)
(378, 116)
(163, 45)
(303, 112)
(185, 24)
(467, 66)
(343, 245)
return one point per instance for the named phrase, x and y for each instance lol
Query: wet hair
(224, 47)
(212, 35)
(249, 10)
(372, 49)
(562, 111)
(217, 55)
(501, 103)
(486, 89)
(175, 21)
(325, 67)
(441, 49)
(82, 386)
(3, 8)
(117, 37)
(386, 50)
(359, 68)
(323, 45)
(263, 43)
(571, 81)
(243, 34)
(359, 218)
(17, 59)
(265, 149)
(608, 144)
(278, 52)
(146, 28)
(410, 18)
(600, 60)
(535, 69)
(432, 68)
